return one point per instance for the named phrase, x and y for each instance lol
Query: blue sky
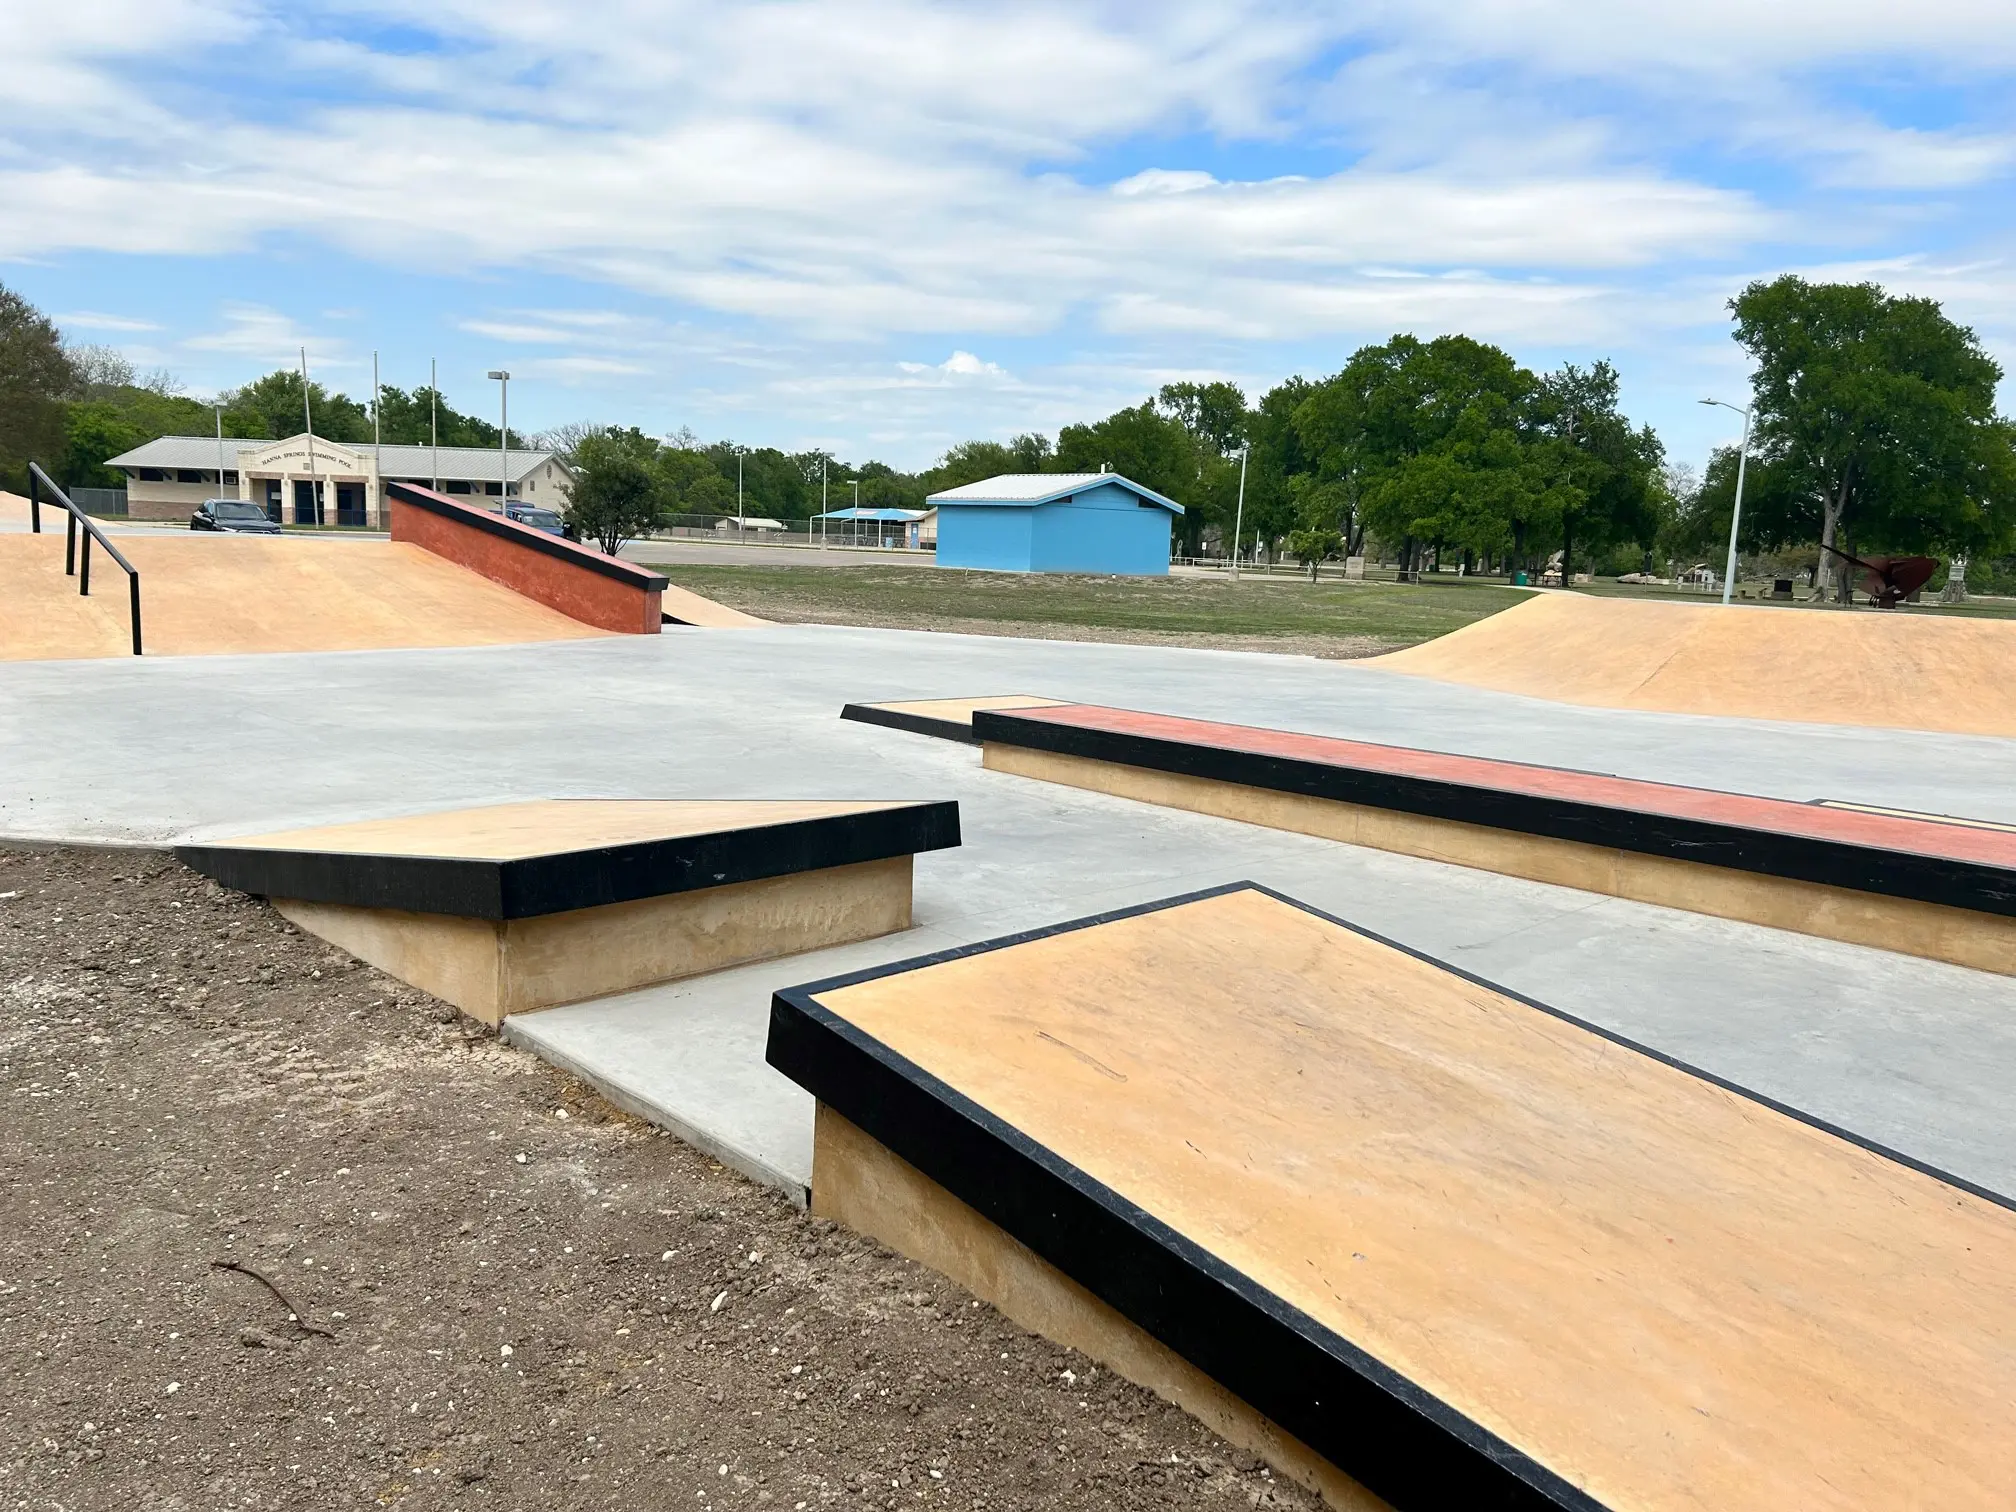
(882, 227)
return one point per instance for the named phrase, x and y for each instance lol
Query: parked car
(237, 516)
(539, 519)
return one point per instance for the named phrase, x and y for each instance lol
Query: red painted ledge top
(1957, 839)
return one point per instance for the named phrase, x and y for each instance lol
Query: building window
(493, 488)
(153, 475)
(191, 475)
(455, 485)
(231, 477)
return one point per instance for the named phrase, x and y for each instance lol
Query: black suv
(238, 516)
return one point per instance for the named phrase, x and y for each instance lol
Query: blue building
(1055, 522)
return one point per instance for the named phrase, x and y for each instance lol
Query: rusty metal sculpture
(1890, 580)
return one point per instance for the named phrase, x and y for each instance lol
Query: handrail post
(84, 576)
(69, 543)
(34, 503)
(133, 594)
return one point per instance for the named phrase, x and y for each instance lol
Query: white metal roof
(474, 464)
(1042, 488)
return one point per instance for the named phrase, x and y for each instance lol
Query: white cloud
(959, 365)
(820, 177)
(95, 320)
(269, 338)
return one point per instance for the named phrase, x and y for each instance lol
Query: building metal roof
(1027, 490)
(474, 464)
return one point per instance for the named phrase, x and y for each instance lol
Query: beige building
(305, 480)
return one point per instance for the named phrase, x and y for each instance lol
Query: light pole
(1239, 516)
(1736, 514)
(434, 416)
(220, 449)
(823, 506)
(741, 528)
(503, 441)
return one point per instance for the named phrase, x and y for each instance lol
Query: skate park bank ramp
(1895, 670)
(230, 595)
(1418, 1240)
(452, 575)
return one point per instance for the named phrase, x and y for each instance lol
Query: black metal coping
(1384, 1430)
(524, 535)
(1920, 877)
(914, 724)
(533, 886)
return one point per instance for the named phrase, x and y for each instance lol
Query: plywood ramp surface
(690, 608)
(1900, 671)
(220, 596)
(543, 826)
(1665, 1292)
(960, 710)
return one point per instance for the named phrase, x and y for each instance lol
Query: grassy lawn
(1280, 613)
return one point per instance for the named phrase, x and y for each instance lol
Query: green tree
(1142, 443)
(617, 495)
(270, 407)
(1214, 414)
(1603, 473)
(1311, 546)
(92, 432)
(1434, 441)
(35, 375)
(1877, 415)
(406, 419)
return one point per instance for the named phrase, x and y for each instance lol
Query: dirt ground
(509, 1294)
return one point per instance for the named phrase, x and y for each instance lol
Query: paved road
(1914, 1054)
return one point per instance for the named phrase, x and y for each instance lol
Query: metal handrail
(39, 480)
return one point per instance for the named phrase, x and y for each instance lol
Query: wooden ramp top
(229, 595)
(682, 606)
(551, 855)
(946, 718)
(1474, 1251)
(1931, 858)
(1898, 670)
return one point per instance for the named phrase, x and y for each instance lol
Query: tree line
(1875, 430)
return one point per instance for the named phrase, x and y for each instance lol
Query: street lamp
(1736, 514)
(1239, 516)
(503, 380)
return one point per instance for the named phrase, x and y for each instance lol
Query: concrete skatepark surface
(1903, 671)
(1915, 1055)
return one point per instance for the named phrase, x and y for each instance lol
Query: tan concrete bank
(521, 906)
(1853, 667)
(221, 596)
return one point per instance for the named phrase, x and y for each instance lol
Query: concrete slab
(1910, 1053)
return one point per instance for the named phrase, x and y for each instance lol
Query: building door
(272, 487)
(307, 502)
(349, 503)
